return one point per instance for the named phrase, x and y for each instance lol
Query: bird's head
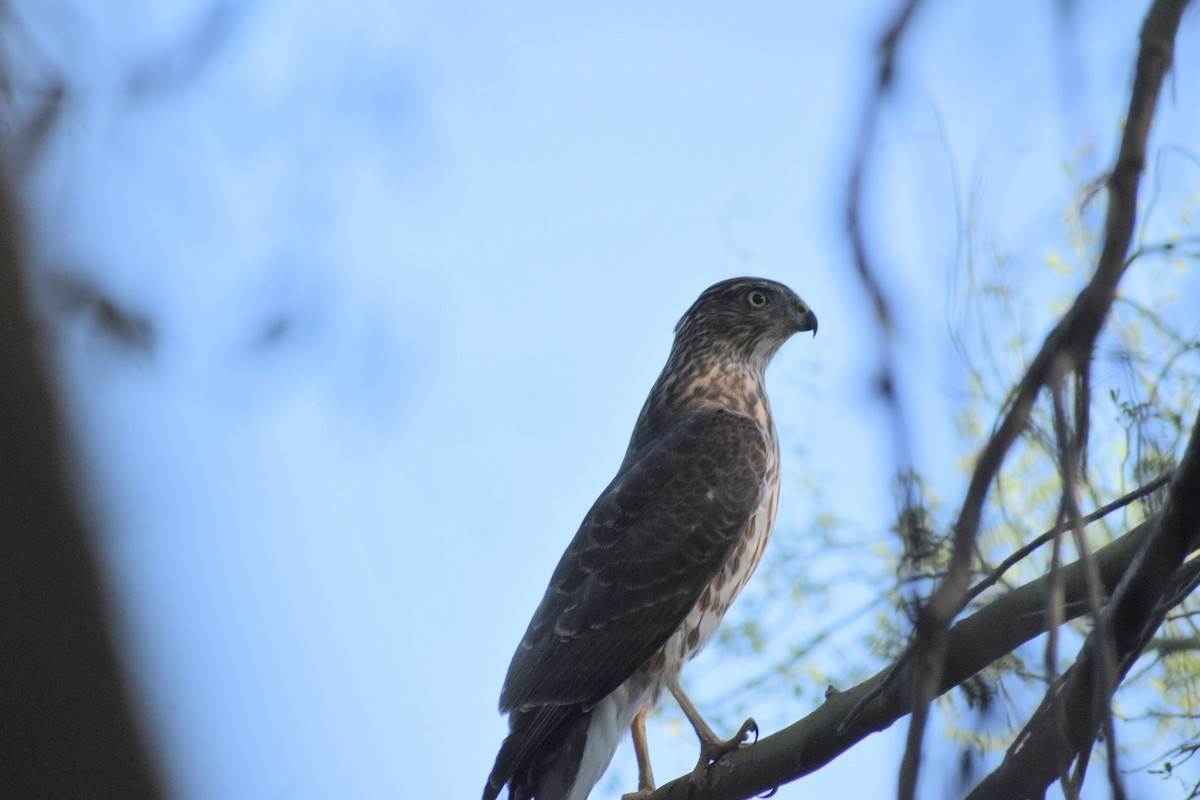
(746, 318)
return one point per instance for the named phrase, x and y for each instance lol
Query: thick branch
(972, 644)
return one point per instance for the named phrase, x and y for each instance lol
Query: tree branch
(1137, 609)
(1022, 552)
(1067, 348)
(972, 644)
(889, 45)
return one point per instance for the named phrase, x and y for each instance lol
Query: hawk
(659, 557)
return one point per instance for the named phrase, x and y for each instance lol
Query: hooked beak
(804, 319)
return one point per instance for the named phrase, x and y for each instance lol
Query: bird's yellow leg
(712, 747)
(642, 750)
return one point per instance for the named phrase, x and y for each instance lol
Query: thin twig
(886, 383)
(1012, 560)
(1138, 607)
(1071, 456)
(1074, 338)
(1022, 552)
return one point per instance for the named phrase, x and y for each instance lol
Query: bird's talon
(713, 751)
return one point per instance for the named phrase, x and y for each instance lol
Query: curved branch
(972, 644)
(1139, 604)
(1068, 347)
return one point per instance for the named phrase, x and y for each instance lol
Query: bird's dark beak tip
(804, 320)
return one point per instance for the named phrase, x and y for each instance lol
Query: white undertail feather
(610, 721)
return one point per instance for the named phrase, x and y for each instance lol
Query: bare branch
(1022, 552)
(1168, 645)
(1071, 457)
(1068, 346)
(869, 122)
(1135, 612)
(972, 644)
(868, 275)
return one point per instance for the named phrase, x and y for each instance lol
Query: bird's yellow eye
(756, 298)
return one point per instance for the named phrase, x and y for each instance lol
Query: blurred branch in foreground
(66, 726)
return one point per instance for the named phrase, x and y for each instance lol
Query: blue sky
(412, 269)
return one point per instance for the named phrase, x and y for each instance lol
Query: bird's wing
(648, 547)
